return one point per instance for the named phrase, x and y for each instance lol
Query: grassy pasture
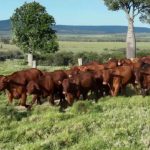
(119, 123)
(85, 46)
(98, 46)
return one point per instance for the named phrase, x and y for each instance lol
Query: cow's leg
(10, 97)
(84, 95)
(96, 94)
(62, 98)
(51, 99)
(23, 100)
(116, 90)
(34, 99)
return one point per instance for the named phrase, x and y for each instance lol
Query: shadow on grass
(9, 112)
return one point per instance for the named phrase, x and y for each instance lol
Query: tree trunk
(131, 41)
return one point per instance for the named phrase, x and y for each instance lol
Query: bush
(70, 58)
(11, 55)
(63, 58)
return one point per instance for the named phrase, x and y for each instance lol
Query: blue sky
(73, 12)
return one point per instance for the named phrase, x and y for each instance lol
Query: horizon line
(89, 25)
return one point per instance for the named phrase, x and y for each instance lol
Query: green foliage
(32, 28)
(134, 7)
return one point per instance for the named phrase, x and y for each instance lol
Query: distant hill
(69, 29)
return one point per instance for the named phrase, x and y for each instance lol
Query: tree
(32, 29)
(132, 8)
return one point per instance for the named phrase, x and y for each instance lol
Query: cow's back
(24, 76)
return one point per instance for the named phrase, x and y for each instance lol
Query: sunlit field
(85, 46)
(99, 46)
(112, 123)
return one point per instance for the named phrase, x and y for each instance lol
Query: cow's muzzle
(104, 83)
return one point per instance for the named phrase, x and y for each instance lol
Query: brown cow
(70, 90)
(84, 83)
(58, 76)
(43, 87)
(16, 84)
(143, 78)
(118, 78)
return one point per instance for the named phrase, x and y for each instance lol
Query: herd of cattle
(94, 78)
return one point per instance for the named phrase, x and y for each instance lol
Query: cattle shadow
(130, 91)
(13, 113)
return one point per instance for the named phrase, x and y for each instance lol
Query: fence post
(80, 61)
(30, 59)
(34, 64)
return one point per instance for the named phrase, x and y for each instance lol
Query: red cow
(84, 83)
(43, 87)
(118, 78)
(143, 78)
(16, 84)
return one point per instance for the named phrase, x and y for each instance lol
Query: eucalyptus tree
(132, 9)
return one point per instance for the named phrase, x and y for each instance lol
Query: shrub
(11, 55)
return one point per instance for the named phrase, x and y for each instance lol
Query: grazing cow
(143, 78)
(58, 76)
(16, 84)
(118, 78)
(70, 90)
(84, 83)
(43, 87)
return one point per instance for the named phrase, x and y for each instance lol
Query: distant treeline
(5, 26)
(6, 39)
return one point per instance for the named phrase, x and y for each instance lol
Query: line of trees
(33, 33)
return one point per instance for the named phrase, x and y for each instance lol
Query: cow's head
(69, 90)
(106, 74)
(120, 62)
(137, 75)
(3, 82)
(33, 87)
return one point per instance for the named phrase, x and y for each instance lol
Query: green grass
(76, 47)
(98, 46)
(117, 123)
